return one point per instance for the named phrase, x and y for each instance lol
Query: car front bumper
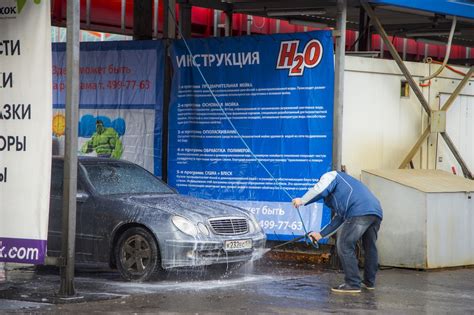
(185, 253)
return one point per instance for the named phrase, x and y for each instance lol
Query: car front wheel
(136, 254)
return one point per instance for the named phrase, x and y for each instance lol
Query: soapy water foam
(159, 286)
(205, 278)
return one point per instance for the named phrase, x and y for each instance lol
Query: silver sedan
(130, 219)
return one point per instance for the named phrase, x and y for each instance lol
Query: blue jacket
(346, 196)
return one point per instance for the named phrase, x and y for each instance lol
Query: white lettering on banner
(239, 59)
(22, 253)
(10, 47)
(290, 58)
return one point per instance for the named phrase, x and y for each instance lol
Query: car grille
(229, 226)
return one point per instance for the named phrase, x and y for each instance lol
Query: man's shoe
(367, 286)
(344, 288)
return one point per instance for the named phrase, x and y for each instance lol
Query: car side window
(57, 180)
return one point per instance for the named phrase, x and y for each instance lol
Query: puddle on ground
(187, 279)
(152, 287)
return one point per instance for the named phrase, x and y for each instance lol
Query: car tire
(137, 255)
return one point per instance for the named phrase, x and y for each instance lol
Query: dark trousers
(365, 227)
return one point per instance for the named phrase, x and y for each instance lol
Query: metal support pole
(142, 19)
(88, 13)
(249, 24)
(169, 18)
(364, 31)
(382, 49)
(228, 23)
(277, 26)
(217, 15)
(339, 84)
(405, 43)
(155, 18)
(185, 19)
(169, 33)
(396, 57)
(122, 15)
(68, 235)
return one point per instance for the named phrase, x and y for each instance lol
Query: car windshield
(121, 178)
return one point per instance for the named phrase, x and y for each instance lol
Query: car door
(55, 209)
(84, 251)
(86, 227)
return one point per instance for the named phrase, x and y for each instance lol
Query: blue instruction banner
(255, 129)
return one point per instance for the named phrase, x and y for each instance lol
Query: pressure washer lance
(306, 236)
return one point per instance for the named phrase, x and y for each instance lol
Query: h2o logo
(296, 62)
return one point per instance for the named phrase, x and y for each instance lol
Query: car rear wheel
(137, 255)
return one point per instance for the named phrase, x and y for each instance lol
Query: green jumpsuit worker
(105, 142)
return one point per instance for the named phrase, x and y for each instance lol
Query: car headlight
(184, 225)
(203, 229)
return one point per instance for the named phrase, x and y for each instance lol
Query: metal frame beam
(393, 51)
(458, 90)
(424, 103)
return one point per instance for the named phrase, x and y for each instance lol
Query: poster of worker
(120, 101)
(251, 123)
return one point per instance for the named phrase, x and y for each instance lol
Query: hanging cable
(448, 52)
(240, 136)
(430, 60)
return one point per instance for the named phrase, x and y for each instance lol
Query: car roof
(84, 159)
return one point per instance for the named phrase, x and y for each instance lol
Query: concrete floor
(263, 288)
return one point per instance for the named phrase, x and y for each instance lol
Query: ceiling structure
(398, 21)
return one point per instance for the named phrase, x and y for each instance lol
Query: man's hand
(297, 202)
(315, 235)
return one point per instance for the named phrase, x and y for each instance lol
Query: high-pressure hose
(448, 52)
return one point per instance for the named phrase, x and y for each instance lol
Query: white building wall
(380, 126)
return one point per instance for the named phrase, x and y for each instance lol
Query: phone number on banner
(281, 225)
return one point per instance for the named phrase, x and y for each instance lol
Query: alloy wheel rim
(135, 254)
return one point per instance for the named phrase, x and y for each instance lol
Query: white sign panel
(25, 129)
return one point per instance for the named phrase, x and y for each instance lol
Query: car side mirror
(82, 196)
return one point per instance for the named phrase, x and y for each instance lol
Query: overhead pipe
(448, 52)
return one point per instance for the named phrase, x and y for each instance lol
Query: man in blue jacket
(359, 214)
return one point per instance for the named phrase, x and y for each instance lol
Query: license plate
(237, 245)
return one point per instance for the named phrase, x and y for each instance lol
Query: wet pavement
(264, 288)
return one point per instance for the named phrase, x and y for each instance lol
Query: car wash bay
(228, 293)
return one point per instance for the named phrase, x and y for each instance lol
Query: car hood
(190, 207)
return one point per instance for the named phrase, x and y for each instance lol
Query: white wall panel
(380, 127)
